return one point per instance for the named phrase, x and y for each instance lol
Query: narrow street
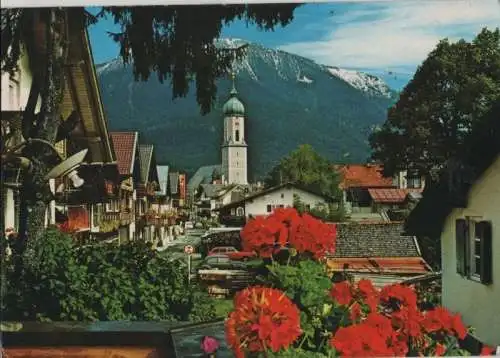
(175, 248)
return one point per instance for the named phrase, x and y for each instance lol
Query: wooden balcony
(123, 217)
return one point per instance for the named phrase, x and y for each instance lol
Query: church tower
(234, 146)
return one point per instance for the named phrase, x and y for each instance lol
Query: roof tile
(363, 175)
(374, 240)
(124, 144)
(390, 195)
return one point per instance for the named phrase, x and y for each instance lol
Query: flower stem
(264, 348)
(302, 341)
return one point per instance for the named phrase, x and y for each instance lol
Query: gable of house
(125, 146)
(163, 179)
(471, 258)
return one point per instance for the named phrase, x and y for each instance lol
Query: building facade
(470, 253)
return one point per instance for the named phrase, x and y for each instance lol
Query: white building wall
(478, 304)
(15, 91)
(282, 196)
(234, 151)
(9, 209)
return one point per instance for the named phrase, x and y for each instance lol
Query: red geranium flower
(284, 227)
(355, 314)
(458, 326)
(440, 350)
(361, 340)
(437, 319)
(341, 292)
(262, 318)
(487, 351)
(403, 294)
(369, 293)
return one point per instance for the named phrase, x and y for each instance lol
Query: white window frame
(471, 248)
(113, 206)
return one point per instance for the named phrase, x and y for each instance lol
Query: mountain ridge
(289, 100)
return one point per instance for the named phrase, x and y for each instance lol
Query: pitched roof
(363, 175)
(374, 240)
(202, 176)
(145, 156)
(384, 265)
(270, 190)
(390, 195)
(213, 190)
(163, 178)
(174, 182)
(125, 145)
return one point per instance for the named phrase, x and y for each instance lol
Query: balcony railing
(152, 219)
(122, 216)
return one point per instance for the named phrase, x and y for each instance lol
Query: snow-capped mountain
(288, 66)
(289, 100)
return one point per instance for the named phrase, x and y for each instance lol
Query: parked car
(188, 225)
(220, 262)
(232, 252)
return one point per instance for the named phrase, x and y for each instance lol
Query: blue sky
(385, 38)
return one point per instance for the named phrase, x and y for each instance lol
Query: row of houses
(116, 189)
(366, 196)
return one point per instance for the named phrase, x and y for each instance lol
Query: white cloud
(397, 34)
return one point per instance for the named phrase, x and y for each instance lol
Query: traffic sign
(188, 249)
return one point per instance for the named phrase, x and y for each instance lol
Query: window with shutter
(485, 266)
(461, 246)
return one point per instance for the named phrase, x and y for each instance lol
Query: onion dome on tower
(233, 106)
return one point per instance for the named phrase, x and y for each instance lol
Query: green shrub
(99, 282)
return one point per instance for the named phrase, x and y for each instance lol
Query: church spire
(233, 92)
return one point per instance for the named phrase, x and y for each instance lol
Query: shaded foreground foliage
(99, 283)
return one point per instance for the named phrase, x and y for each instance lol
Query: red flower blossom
(440, 350)
(437, 319)
(487, 351)
(355, 314)
(341, 292)
(209, 344)
(361, 340)
(458, 326)
(262, 318)
(409, 321)
(369, 293)
(286, 227)
(403, 294)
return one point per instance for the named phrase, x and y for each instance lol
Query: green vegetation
(449, 111)
(326, 212)
(444, 108)
(99, 283)
(304, 166)
(223, 307)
